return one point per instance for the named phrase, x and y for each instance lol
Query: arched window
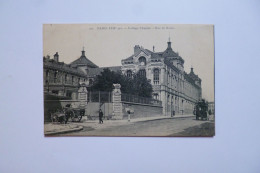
(129, 73)
(156, 78)
(142, 72)
(142, 60)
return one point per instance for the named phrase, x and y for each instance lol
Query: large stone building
(178, 90)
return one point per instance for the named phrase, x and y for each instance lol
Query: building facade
(178, 90)
(63, 79)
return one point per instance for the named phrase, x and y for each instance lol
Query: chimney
(136, 48)
(56, 57)
(191, 70)
(153, 48)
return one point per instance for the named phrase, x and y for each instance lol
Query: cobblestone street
(181, 126)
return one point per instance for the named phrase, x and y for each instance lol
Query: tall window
(72, 79)
(142, 72)
(47, 76)
(156, 77)
(66, 77)
(168, 78)
(142, 60)
(55, 76)
(129, 73)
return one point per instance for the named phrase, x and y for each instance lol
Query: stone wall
(93, 108)
(142, 110)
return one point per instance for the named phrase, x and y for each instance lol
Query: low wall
(142, 110)
(93, 109)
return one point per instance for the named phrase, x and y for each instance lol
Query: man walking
(100, 116)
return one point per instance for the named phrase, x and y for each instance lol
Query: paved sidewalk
(52, 129)
(94, 124)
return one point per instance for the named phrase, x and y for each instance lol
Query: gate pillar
(117, 103)
(82, 96)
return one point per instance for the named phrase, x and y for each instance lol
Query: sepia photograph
(129, 80)
(139, 86)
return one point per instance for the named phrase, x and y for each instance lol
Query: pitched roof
(146, 51)
(83, 61)
(61, 66)
(155, 55)
(169, 53)
(129, 58)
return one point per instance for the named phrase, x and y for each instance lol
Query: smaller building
(63, 79)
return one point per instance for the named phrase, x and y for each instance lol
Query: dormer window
(142, 60)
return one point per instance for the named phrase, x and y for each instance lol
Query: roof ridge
(81, 60)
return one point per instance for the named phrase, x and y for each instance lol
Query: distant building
(211, 107)
(178, 90)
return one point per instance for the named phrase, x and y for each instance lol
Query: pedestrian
(100, 116)
(129, 115)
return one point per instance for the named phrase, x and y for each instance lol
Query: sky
(107, 44)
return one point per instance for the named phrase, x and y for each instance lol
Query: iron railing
(99, 96)
(141, 100)
(106, 97)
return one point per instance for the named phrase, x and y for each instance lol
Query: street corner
(53, 129)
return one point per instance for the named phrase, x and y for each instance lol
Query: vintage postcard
(128, 80)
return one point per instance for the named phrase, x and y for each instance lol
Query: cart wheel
(79, 118)
(70, 115)
(79, 115)
(54, 118)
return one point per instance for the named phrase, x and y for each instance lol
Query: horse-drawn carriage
(68, 113)
(201, 110)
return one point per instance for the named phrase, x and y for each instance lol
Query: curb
(161, 118)
(64, 131)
